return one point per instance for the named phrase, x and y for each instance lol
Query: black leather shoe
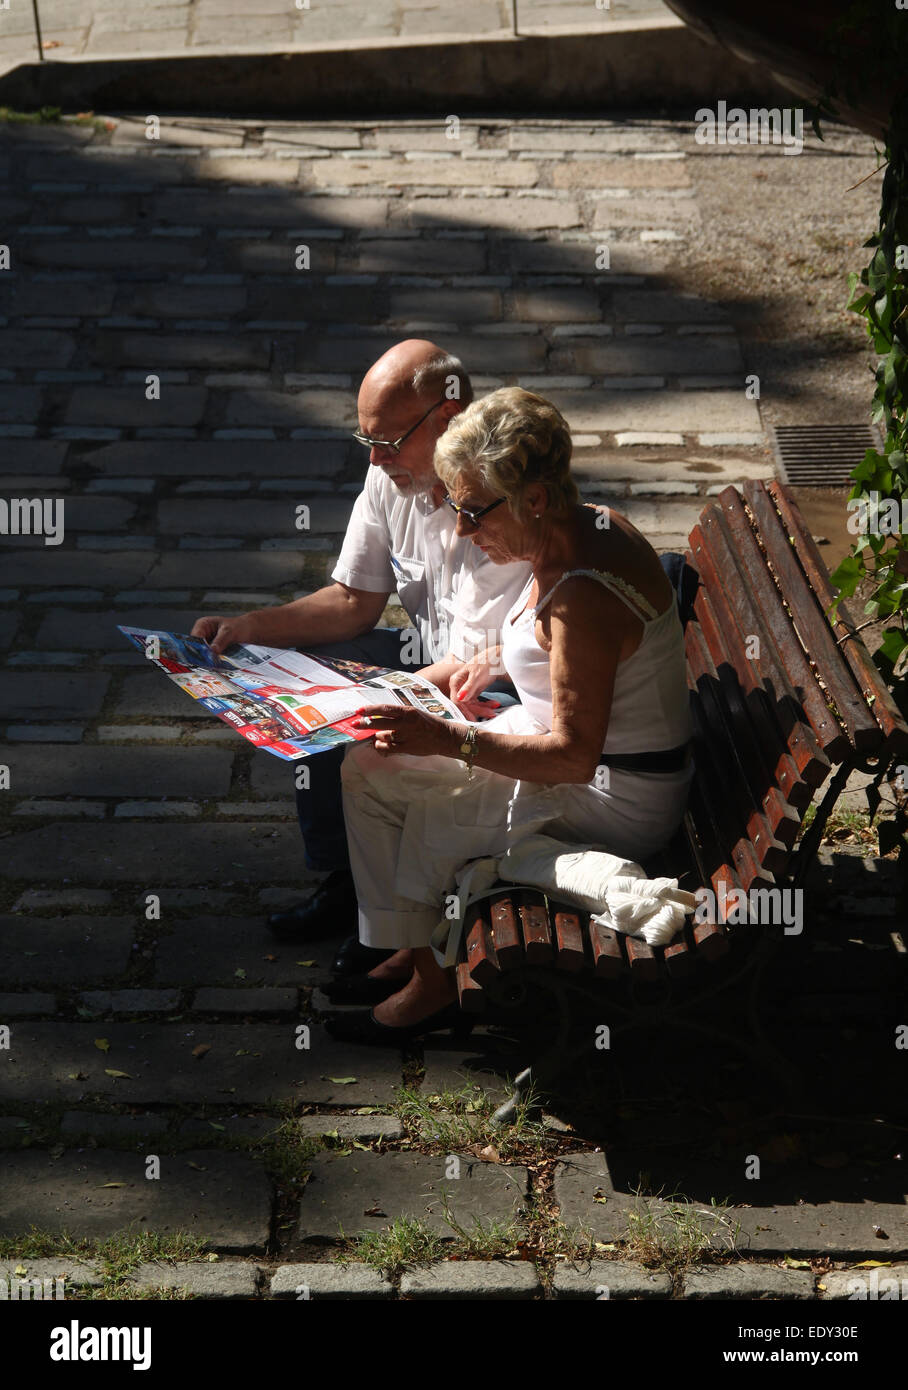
(364, 1027)
(355, 959)
(360, 989)
(331, 907)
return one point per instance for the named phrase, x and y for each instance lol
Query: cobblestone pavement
(135, 1032)
(99, 27)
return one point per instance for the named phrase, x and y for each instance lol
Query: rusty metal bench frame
(774, 718)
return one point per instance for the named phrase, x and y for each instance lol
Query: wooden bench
(781, 700)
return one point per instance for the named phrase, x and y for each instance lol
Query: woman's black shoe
(353, 958)
(360, 989)
(364, 1027)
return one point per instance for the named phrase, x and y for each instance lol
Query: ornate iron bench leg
(506, 1114)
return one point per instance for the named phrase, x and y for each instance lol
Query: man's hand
(404, 729)
(220, 632)
(471, 679)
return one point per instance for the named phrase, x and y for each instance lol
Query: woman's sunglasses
(474, 518)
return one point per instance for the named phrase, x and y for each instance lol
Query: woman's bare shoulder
(620, 549)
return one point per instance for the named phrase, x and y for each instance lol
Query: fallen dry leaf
(108, 1071)
(102, 1044)
(201, 1049)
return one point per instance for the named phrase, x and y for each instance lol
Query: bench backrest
(778, 696)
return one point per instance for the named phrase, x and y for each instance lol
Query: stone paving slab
(40, 771)
(75, 1272)
(75, 567)
(71, 950)
(495, 1279)
(224, 1199)
(748, 1281)
(242, 852)
(244, 1064)
(211, 950)
(866, 1284)
(608, 1279)
(309, 1281)
(26, 696)
(199, 1278)
(23, 1005)
(112, 1127)
(485, 1062)
(773, 1215)
(367, 1192)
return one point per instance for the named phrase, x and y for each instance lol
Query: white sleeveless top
(650, 709)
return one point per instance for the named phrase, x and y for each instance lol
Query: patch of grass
(116, 1258)
(533, 1234)
(51, 115)
(45, 115)
(678, 1232)
(407, 1242)
(547, 1237)
(842, 825)
(461, 1122)
(287, 1153)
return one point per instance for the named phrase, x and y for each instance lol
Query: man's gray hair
(443, 375)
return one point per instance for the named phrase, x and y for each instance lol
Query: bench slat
(708, 797)
(608, 958)
(569, 936)
(506, 934)
(747, 705)
(738, 757)
(867, 674)
(482, 958)
(534, 922)
(750, 566)
(645, 964)
(470, 994)
(808, 621)
(738, 612)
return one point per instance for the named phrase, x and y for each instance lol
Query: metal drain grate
(821, 455)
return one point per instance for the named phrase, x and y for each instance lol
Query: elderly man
(400, 537)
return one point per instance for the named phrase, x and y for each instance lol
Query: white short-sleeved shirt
(454, 595)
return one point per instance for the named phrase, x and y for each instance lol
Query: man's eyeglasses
(474, 518)
(394, 444)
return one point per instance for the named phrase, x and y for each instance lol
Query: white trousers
(412, 823)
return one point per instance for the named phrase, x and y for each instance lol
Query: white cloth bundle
(615, 891)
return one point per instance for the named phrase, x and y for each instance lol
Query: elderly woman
(596, 753)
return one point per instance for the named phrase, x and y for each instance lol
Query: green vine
(869, 47)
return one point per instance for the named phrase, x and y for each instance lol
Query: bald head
(412, 379)
(395, 369)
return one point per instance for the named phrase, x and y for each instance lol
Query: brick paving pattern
(100, 28)
(176, 258)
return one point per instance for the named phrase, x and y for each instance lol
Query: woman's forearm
(548, 758)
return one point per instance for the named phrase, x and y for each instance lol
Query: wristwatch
(468, 748)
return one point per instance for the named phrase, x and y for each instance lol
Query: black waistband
(660, 760)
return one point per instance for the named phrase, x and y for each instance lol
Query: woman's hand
(399, 729)
(471, 679)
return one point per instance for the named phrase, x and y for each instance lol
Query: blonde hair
(508, 440)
